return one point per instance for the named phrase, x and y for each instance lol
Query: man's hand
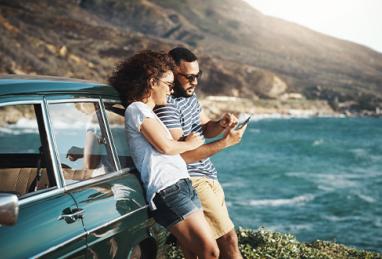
(228, 121)
(194, 140)
(232, 136)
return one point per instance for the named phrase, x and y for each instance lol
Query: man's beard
(179, 91)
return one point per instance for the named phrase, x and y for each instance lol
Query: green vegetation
(267, 244)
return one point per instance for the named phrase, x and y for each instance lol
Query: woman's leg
(195, 237)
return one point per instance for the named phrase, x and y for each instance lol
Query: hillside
(242, 52)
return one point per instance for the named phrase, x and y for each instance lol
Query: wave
(365, 198)
(329, 182)
(333, 218)
(318, 142)
(257, 117)
(280, 202)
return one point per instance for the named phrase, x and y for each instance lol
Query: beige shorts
(211, 195)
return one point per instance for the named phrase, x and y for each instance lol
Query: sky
(359, 21)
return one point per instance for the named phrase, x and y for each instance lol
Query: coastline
(215, 106)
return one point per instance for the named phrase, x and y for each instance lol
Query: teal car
(68, 187)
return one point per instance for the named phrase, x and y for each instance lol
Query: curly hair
(131, 77)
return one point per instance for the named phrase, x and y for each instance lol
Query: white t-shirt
(157, 170)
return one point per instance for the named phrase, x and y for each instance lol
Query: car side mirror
(9, 209)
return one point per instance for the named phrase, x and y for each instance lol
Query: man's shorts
(175, 202)
(211, 196)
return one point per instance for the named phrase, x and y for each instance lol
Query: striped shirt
(184, 113)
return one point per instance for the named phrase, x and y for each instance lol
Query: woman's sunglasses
(191, 77)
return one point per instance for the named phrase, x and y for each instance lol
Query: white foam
(281, 202)
(329, 182)
(366, 198)
(256, 117)
(318, 142)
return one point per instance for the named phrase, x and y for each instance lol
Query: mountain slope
(243, 52)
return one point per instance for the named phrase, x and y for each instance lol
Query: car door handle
(71, 216)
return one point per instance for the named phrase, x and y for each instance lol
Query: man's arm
(230, 138)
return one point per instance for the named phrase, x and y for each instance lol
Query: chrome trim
(9, 211)
(111, 100)
(117, 164)
(52, 100)
(69, 187)
(54, 248)
(42, 195)
(66, 100)
(117, 219)
(21, 102)
(54, 190)
(52, 144)
(57, 165)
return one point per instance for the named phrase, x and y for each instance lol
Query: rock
(51, 48)
(75, 58)
(268, 85)
(63, 52)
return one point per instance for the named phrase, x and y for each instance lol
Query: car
(68, 185)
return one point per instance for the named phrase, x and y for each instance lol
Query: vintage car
(68, 187)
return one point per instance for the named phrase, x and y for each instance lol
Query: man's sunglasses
(191, 77)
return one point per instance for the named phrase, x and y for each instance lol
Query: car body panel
(40, 232)
(52, 86)
(102, 217)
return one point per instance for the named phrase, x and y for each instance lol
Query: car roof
(49, 85)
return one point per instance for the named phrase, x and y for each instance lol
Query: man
(183, 115)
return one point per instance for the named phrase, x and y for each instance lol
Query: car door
(47, 225)
(111, 201)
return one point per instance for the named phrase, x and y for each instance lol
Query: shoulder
(138, 108)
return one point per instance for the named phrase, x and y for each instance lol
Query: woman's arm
(156, 135)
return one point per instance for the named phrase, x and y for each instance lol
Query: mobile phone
(242, 123)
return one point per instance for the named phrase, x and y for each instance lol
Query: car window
(81, 140)
(115, 114)
(25, 166)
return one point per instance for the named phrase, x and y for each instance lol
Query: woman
(144, 81)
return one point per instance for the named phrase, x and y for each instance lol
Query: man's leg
(211, 196)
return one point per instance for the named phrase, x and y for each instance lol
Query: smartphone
(242, 123)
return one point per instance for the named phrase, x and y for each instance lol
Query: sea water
(316, 178)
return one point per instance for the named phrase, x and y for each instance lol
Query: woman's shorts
(175, 203)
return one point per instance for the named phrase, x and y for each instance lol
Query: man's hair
(131, 77)
(179, 54)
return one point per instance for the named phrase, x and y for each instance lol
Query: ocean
(315, 178)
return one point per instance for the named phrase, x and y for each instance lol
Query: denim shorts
(175, 203)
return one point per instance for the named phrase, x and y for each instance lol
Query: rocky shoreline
(214, 106)
(264, 243)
